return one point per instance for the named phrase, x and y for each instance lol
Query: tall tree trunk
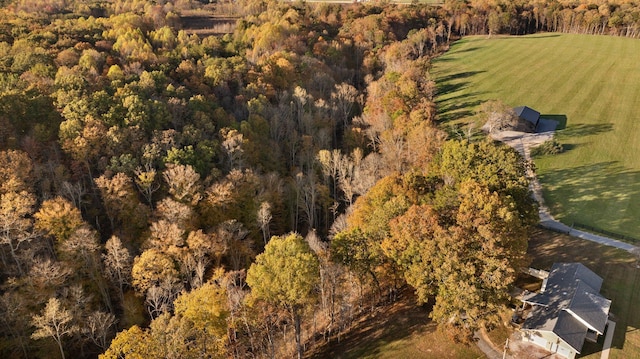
(59, 341)
(296, 322)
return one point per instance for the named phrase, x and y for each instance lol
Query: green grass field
(591, 84)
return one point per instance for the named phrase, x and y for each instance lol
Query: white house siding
(550, 342)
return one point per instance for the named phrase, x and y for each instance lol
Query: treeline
(241, 195)
(519, 17)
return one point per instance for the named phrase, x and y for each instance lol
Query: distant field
(590, 82)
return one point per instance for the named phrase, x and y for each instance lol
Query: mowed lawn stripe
(592, 80)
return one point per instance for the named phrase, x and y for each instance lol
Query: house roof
(527, 114)
(569, 305)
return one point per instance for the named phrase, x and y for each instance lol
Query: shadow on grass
(600, 195)
(461, 104)
(391, 323)
(470, 49)
(560, 119)
(457, 76)
(450, 112)
(538, 36)
(581, 129)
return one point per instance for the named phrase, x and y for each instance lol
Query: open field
(621, 284)
(591, 84)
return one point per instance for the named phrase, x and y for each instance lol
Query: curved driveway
(523, 142)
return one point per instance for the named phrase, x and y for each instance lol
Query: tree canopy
(200, 191)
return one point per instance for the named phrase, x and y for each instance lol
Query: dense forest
(168, 195)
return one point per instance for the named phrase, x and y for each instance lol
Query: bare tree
(264, 219)
(193, 269)
(55, 322)
(74, 192)
(81, 248)
(330, 162)
(310, 194)
(46, 273)
(160, 297)
(232, 146)
(498, 116)
(184, 183)
(240, 250)
(330, 274)
(118, 263)
(97, 328)
(13, 312)
(172, 211)
(344, 97)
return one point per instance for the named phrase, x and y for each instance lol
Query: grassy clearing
(591, 84)
(400, 330)
(621, 284)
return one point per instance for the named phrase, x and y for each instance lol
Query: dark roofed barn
(528, 114)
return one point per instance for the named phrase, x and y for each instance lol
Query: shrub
(550, 147)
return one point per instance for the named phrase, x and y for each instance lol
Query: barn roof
(527, 114)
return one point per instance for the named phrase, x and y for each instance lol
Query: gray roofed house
(528, 114)
(567, 310)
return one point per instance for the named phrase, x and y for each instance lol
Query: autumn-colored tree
(234, 198)
(482, 253)
(497, 166)
(147, 183)
(134, 343)
(286, 274)
(59, 218)
(414, 245)
(205, 308)
(16, 171)
(167, 238)
(180, 214)
(16, 226)
(152, 268)
(122, 204)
